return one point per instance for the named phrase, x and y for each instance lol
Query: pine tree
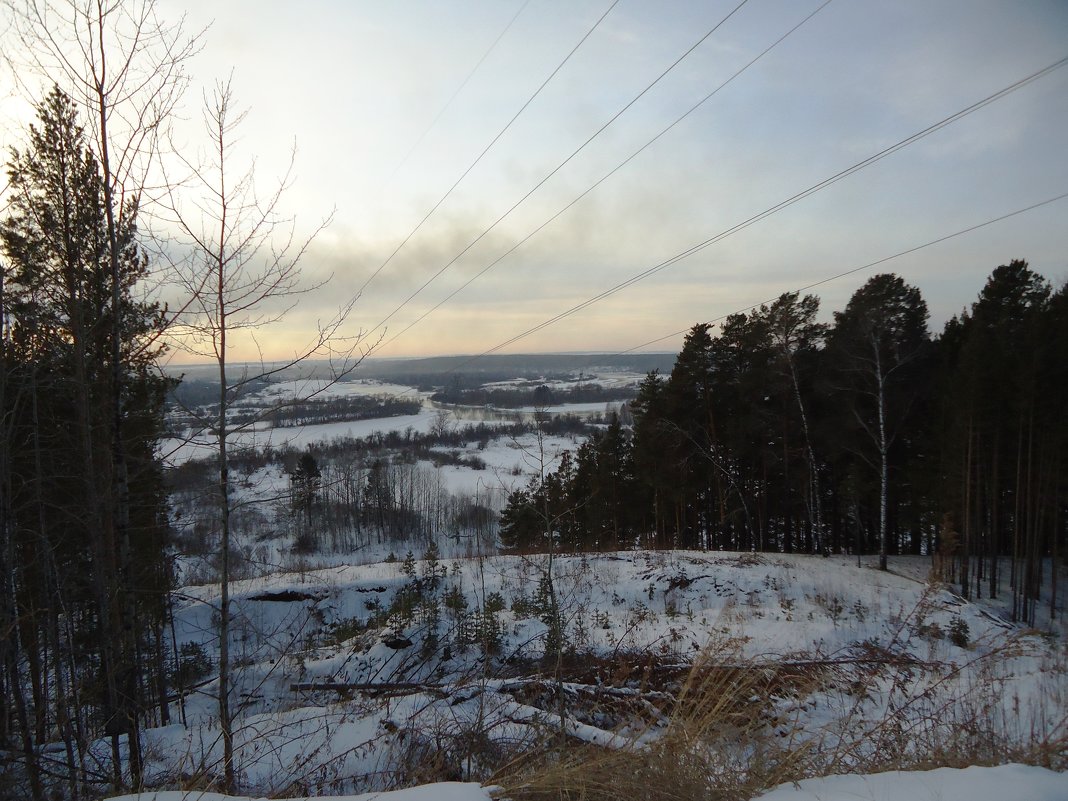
(305, 481)
(995, 445)
(793, 337)
(80, 346)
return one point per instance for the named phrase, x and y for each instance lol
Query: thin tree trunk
(225, 723)
(124, 603)
(966, 544)
(1014, 579)
(884, 467)
(33, 770)
(815, 498)
(62, 709)
(10, 643)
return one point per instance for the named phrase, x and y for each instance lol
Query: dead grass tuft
(735, 728)
(715, 744)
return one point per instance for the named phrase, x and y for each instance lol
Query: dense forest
(782, 433)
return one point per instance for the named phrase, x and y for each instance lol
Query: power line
(485, 150)
(560, 166)
(587, 191)
(861, 268)
(851, 271)
(459, 89)
(785, 203)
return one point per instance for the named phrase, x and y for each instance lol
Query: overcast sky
(371, 94)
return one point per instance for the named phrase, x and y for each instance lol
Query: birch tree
(242, 274)
(881, 332)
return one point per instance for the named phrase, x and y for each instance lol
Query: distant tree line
(280, 414)
(539, 395)
(428, 374)
(189, 393)
(318, 411)
(866, 435)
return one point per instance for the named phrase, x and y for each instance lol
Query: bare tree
(124, 67)
(242, 274)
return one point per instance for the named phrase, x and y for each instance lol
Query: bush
(523, 607)
(194, 665)
(348, 627)
(305, 543)
(959, 633)
(494, 603)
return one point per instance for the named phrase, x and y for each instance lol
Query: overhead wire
(456, 93)
(795, 198)
(945, 121)
(836, 276)
(562, 164)
(593, 186)
(486, 149)
(861, 268)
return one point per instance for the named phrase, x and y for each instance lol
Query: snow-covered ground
(608, 378)
(1000, 783)
(202, 446)
(438, 791)
(354, 674)
(1017, 782)
(322, 389)
(580, 409)
(350, 678)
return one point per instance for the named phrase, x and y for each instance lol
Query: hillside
(361, 678)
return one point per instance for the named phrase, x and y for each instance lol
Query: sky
(396, 107)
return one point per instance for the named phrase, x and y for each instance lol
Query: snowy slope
(347, 681)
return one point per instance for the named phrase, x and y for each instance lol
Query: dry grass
(713, 745)
(736, 729)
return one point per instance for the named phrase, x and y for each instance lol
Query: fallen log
(371, 688)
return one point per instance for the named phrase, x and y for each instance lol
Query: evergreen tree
(793, 337)
(993, 448)
(89, 542)
(652, 485)
(747, 442)
(305, 481)
(521, 527)
(686, 435)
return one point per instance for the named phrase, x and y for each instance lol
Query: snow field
(974, 783)
(943, 784)
(868, 668)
